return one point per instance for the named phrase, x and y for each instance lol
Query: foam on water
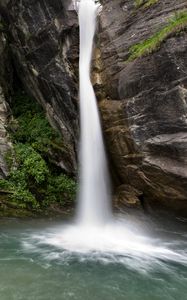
(114, 243)
(140, 259)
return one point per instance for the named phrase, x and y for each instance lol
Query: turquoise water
(33, 268)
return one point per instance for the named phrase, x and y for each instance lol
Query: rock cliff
(139, 74)
(5, 89)
(143, 50)
(43, 40)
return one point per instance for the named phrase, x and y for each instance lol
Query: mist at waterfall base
(96, 256)
(39, 262)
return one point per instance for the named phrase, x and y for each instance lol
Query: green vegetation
(33, 127)
(139, 3)
(175, 25)
(150, 3)
(34, 182)
(145, 3)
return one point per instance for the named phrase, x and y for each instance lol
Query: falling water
(94, 196)
(136, 243)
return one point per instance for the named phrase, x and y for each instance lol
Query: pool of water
(135, 259)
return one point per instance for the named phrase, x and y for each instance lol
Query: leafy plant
(32, 126)
(32, 182)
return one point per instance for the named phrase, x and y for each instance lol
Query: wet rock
(144, 111)
(127, 197)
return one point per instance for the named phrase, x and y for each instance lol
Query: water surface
(49, 260)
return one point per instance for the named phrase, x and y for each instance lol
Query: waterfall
(97, 236)
(94, 204)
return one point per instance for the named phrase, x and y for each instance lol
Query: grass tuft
(139, 3)
(145, 3)
(176, 24)
(150, 3)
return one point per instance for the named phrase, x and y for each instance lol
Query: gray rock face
(5, 87)
(145, 106)
(44, 45)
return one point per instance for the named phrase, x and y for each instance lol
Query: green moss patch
(145, 3)
(139, 3)
(175, 25)
(150, 3)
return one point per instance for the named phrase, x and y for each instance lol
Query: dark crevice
(143, 203)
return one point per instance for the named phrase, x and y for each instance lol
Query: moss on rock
(145, 3)
(175, 25)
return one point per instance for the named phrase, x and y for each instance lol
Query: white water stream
(94, 205)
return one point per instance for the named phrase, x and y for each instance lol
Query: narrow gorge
(139, 76)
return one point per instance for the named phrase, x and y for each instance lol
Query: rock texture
(144, 104)
(5, 88)
(44, 44)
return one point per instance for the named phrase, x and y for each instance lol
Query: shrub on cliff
(33, 182)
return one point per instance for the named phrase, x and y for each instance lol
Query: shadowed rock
(44, 45)
(5, 88)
